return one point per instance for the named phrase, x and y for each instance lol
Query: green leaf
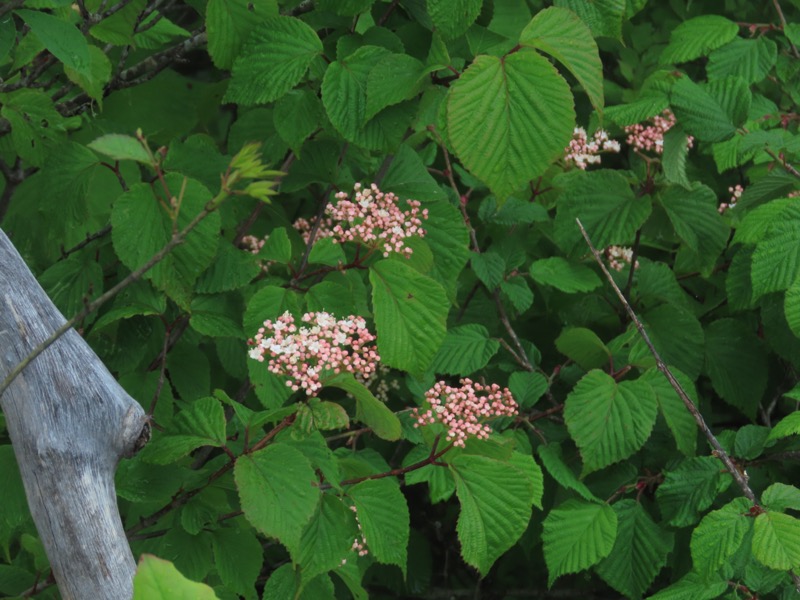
(273, 59)
(604, 17)
(121, 147)
(776, 542)
(689, 490)
(751, 59)
(553, 461)
(285, 582)
(693, 587)
(605, 204)
(228, 23)
(316, 415)
(776, 260)
(489, 267)
(495, 500)
(393, 79)
(697, 37)
(707, 116)
(344, 90)
(607, 420)
(576, 536)
(99, 73)
(73, 282)
(328, 538)
(561, 34)
(297, 115)
(268, 303)
(232, 268)
(277, 492)
(369, 410)
(676, 151)
(327, 252)
(346, 7)
(238, 557)
(383, 514)
(564, 275)
(61, 38)
(216, 316)
(639, 553)
(158, 579)
(788, 425)
(509, 118)
(277, 246)
(142, 227)
(452, 18)
(791, 307)
(410, 314)
(465, 349)
(676, 334)
(779, 497)
(736, 364)
(584, 347)
(719, 535)
(440, 481)
(517, 291)
(679, 420)
(693, 213)
(527, 387)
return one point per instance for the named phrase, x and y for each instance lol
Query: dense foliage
(383, 361)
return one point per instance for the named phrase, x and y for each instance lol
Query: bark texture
(70, 422)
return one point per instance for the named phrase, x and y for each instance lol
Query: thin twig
(789, 168)
(778, 9)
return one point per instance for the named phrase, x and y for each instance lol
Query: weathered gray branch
(70, 422)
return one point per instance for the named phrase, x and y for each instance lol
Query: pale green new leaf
(719, 535)
(697, 37)
(609, 421)
(737, 364)
(776, 541)
(453, 17)
(465, 349)
(495, 498)
(277, 492)
(273, 59)
(561, 34)
(564, 275)
(576, 536)
(509, 118)
(410, 314)
(383, 514)
(639, 553)
(158, 579)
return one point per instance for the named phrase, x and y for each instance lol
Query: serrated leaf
(464, 350)
(238, 557)
(641, 109)
(228, 23)
(93, 80)
(285, 582)
(369, 410)
(441, 484)
(710, 117)
(561, 34)
(273, 59)
(517, 291)
(452, 18)
(788, 425)
(61, 38)
(232, 268)
(393, 79)
(297, 115)
(604, 17)
(697, 37)
(495, 500)
(508, 143)
(676, 334)
(383, 514)
(697, 222)
(584, 347)
(277, 492)
(327, 539)
(776, 541)
(489, 267)
(693, 587)
(552, 459)
(678, 418)
(410, 314)
(779, 497)
(576, 536)
(327, 252)
(776, 260)
(607, 420)
(639, 553)
(749, 59)
(527, 387)
(676, 151)
(719, 535)
(121, 147)
(736, 364)
(605, 204)
(564, 275)
(158, 579)
(689, 490)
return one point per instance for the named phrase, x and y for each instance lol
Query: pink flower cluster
(619, 256)
(463, 410)
(581, 152)
(645, 138)
(254, 245)
(309, 353)
(736, 192)
(372, 218)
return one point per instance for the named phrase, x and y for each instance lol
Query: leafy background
(603, 485)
